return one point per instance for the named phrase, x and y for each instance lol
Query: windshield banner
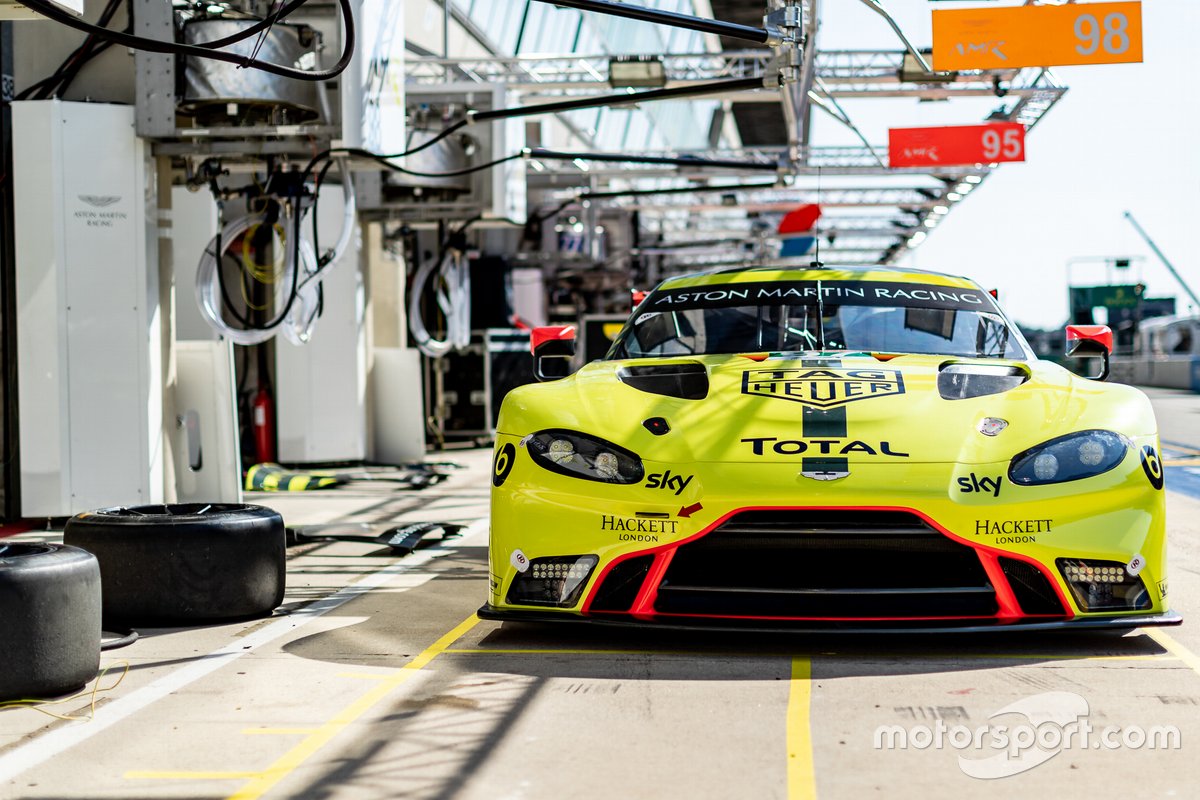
(857, 293)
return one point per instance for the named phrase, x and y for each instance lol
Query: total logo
(973, 484)
(825, 447)
(665, 480)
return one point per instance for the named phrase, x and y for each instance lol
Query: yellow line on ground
(1190, 461)
(190, 776)
(801, 776)
(261, 783)
(549, 651)
(1174, 647)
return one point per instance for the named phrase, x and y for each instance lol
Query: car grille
(826, 564)
(621, 585)
(1031, 587)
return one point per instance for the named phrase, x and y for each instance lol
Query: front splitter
(838, 627)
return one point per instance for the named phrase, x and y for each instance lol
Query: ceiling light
(912, 72)
(941, 209)
(973, 179)
(639, 71)
(954, 197)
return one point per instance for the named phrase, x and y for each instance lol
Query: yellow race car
(811, 448)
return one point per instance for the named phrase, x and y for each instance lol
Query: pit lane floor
(379, 682)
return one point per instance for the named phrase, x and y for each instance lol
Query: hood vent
(687, 381)
(964, 381)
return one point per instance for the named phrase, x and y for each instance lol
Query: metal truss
(902, 205)
(784, 201)
(846, 73)
(819, 161)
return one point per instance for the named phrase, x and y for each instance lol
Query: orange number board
(1037, 36)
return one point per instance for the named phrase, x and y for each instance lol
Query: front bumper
(979, 560)
(1082, 624)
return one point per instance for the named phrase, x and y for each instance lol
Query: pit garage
(675, 398)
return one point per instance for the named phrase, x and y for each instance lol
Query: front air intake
(829, 564)
(622, 584)
(1031, 587)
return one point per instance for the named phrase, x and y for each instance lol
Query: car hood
(857, 407)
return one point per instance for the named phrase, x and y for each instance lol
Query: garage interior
(221, 286)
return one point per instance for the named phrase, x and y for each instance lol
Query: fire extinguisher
(263, 411)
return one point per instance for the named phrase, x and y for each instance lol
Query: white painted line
(46, 747)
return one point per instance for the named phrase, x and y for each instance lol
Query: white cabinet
(88, 329)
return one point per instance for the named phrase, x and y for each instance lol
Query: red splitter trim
(1009, 608)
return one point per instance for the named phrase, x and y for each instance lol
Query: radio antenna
(816, 262)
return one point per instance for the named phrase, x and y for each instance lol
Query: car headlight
(582, 456)
(1068, 458)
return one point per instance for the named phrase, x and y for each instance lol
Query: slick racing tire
(184, 564)
(50, 607)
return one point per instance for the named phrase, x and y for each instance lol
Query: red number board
(957, 145)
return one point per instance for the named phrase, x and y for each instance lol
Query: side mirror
(1089, 341)
(552, 347)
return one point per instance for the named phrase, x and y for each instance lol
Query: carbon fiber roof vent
(687, 380)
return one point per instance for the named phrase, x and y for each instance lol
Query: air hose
(452, 291)
(296, 283)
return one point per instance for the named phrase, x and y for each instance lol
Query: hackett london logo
(822, 388)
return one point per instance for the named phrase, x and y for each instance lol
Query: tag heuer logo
(822, 388)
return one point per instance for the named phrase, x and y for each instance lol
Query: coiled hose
(297, 288)
(453, 294)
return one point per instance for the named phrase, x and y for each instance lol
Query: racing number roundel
(503, 464)
(1152, 467)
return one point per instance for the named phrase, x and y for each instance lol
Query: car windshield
(790, 316)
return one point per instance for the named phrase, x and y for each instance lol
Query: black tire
(184, 564)
(49, 620)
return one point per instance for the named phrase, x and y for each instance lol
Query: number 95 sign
(1037, 36)
(956, 145)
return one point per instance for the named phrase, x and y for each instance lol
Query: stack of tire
(160, 565)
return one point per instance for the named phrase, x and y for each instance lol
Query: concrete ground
(376, 680)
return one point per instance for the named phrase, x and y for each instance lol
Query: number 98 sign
(956, 146)
(1037, 36)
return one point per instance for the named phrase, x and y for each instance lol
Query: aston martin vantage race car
(822, 449)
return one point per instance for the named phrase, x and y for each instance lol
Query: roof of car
(793, 272)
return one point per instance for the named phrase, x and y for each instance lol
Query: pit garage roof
(872, 213)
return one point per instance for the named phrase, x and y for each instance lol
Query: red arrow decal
(687, 511)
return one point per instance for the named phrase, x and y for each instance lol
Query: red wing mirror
(1090, 341)
(552, 347)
